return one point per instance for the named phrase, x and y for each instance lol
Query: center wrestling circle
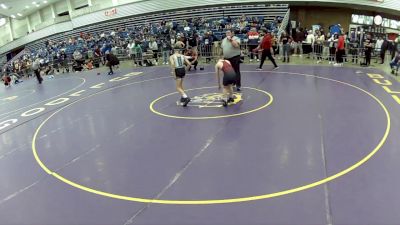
(210, 101)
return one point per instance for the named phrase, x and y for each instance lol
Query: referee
(231, 51)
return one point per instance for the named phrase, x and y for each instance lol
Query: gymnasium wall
(327, 16)
(61, 7)
(95, 13)
(20, 28)
(5, 35)
(46, 14)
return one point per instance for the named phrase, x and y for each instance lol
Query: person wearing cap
(266, 48)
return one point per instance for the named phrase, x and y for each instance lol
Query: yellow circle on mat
(266, 104)
(228, 200)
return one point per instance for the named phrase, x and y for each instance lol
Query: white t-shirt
(153, 46)
(378, 44)
(310, 39)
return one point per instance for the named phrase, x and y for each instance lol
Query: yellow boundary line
(230, 200)
(268, 103)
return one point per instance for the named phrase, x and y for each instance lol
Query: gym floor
(301, 145)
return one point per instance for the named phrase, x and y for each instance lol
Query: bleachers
(266, 11)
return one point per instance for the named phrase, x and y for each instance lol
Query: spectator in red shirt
(340, 51)
(266, 47)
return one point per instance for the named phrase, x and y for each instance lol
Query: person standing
(299, 38)
(231, 51)
(153, 46)
(129, 49)
(266, 47)
(36, 69)
(368, 50)
(340, 51)
(178, 69)
(384, 48)
(309, 44)
(395, 47)
(332, 48)
(319, 47)
(166, 49)
(378, 46)
(253, 37)
(286, 41)
(227, 81)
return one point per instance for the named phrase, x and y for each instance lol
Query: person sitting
(6, 80)
(395, 64)
(89, 65)
(15, 79)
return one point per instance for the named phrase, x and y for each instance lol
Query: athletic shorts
(180, 72)
(229, 78)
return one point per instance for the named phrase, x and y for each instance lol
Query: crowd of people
(143, 44)
(338, 47)
(152, 44)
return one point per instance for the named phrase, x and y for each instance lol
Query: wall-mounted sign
(378, 20)
(361, 19)
(110, 12)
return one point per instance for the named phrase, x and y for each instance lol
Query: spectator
(153, 46)
(368, 45)
(309, 44)
(332, 48)
(378, 46)
(253, 37)
(286, 41)
(130, 48)
(166, 49)
(207, 48)
(138, 54)
(78, 60)
(89, 65)
(6, 80)
(340, 51)
(275, 44)
(396, 47)
(319, 46)
(384, 48)
(395, 64)
(299, 38)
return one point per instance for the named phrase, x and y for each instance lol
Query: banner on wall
(110, 12)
